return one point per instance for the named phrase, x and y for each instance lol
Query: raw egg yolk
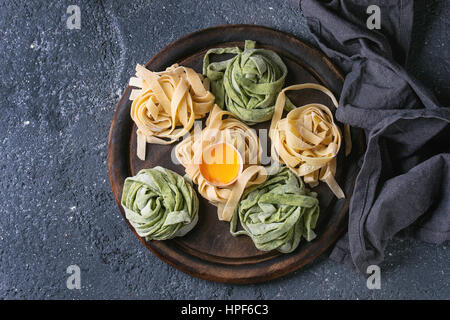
(221, 164)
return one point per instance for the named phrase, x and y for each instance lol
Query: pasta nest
(167, 103)
(307, 140)
(160, 204)
(277, 213)
(247, 84)
(222, 126)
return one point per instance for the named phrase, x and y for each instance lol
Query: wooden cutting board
(209, 251)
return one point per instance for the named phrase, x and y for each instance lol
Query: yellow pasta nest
(167, 103)
(222, 126)
(307, 141)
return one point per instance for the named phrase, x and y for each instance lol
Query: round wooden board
(209, 251)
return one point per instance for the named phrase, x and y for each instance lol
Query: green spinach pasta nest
(160, 204)
(247, 84)
(277, 213)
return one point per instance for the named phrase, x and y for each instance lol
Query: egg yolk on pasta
(221, 164)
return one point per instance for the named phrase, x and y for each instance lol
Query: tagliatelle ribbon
(277, 213)
(160, 204)
(247, 84)
(222, 126)
(307, 141)
(167, 103)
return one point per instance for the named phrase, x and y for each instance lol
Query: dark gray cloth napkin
(403, 186)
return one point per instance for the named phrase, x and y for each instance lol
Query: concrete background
(59, 89)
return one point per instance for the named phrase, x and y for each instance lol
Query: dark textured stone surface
(59, 89)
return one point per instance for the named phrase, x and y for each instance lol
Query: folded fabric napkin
(403, 186)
